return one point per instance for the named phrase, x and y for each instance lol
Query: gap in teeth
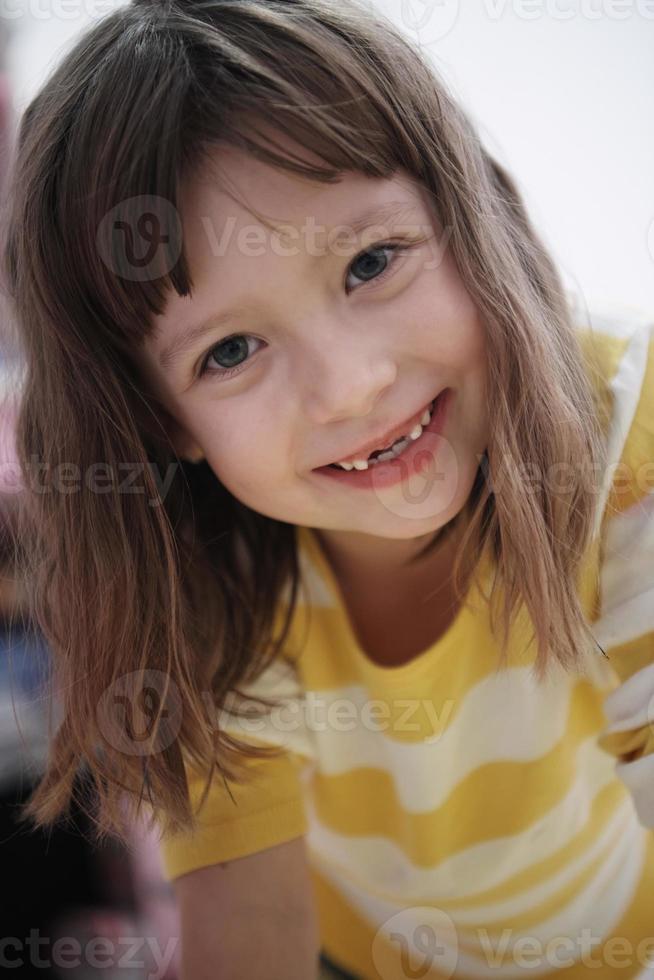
(394, 450)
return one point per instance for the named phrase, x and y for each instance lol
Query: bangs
(188, 85)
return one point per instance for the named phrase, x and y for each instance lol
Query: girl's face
(310, 350)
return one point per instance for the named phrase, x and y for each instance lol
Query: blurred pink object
(11, 479)
(5, 124)
(155, 899)
(10, 474)
(157, 913)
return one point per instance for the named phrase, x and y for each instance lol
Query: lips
(387, 439)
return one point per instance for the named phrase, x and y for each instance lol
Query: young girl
(395, 712)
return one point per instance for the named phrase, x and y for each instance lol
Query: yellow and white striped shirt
(460, 820)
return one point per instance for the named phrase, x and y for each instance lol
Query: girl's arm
(242, 881)
(252, 917)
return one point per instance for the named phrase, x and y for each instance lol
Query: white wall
(560, 89)
(563, 93)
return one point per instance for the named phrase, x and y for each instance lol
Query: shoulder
(618, 349)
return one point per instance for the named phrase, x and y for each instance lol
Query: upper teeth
(397, 447)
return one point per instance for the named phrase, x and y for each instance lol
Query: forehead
(235, 198)
(253, 232)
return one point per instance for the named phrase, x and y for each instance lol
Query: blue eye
(236, 346)
(370, 260)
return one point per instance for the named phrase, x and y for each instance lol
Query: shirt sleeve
(625, 629)
(268, 808)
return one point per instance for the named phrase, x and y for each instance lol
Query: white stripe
(620, 827)
(628, 565)
(599, 908)
(638, 777)
(284, 725)
(633, 619)
(505, 716)
(481, 866)
(627, 576)
(12, 378)
(314, 591)
(631, 705)
(628, 708)
(615, 320)
(595, 911)
(626, 386)
(529, 898)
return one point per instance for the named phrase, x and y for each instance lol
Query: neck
(356, 557)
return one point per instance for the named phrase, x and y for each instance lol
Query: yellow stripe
(602, 356)
(609, 799)
(333, 658)
(348, 939)
(543, 910)
(634, 479)
(268, 810)
(345, 936)
(623, 953)
(443, 688)
(630, 745)
(427, 838)
(628, 658)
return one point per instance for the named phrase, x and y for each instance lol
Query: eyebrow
(187, 340)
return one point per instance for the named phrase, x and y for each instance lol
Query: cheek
(246, 456)
(456, 309)
(447, 321)
(462, 333)
(448, 334)
(473, 345)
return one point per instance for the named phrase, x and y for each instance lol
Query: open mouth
(395, 449)
(412, 454)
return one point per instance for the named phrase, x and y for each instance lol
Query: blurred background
(561, 93)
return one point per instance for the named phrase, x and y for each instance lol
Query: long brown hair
(183, 586)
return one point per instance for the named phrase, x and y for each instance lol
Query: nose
(347, 379)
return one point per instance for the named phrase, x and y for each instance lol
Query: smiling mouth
(394, 449)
